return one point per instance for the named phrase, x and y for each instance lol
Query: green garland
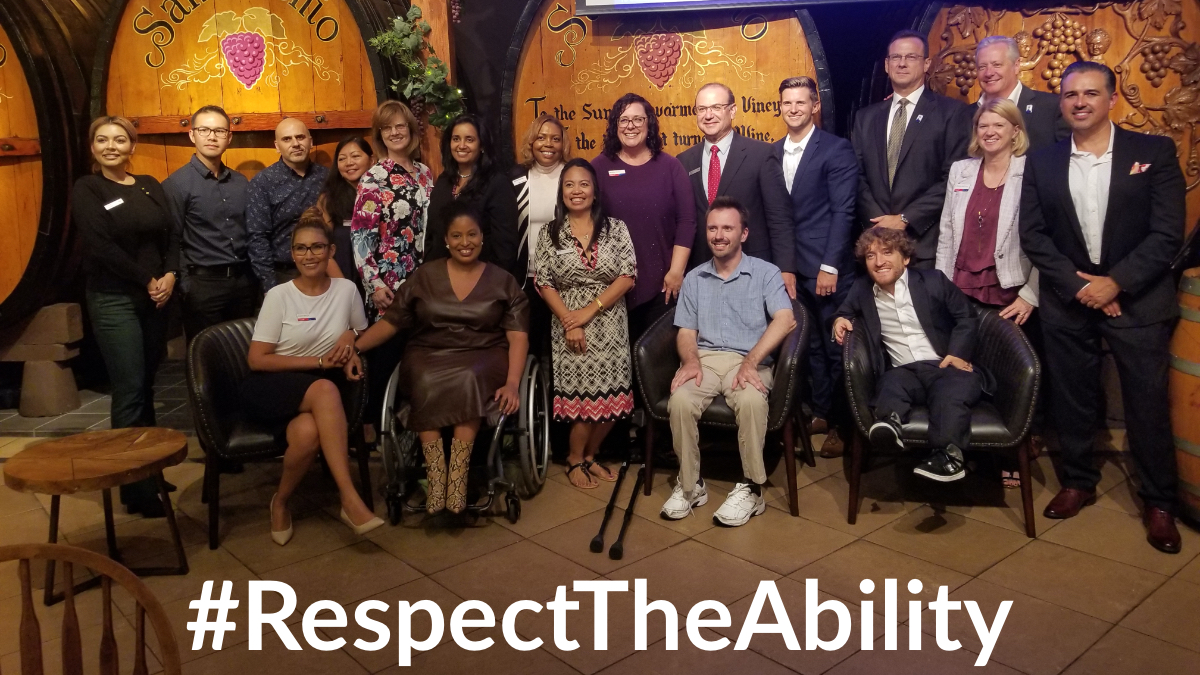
(425, 82)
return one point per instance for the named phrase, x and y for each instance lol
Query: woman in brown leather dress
(466, 323)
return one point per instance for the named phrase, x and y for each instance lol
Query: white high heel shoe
(281, 537)
(365, 527)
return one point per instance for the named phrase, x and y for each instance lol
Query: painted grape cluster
(246, 54)
(658, 55)
(456, 11)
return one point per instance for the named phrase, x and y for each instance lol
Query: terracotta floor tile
(1005, 510)
(1125, 652)
(315, 534)
(962, 544)
(12, 502)
(345, 575)
(643, 538)
(204, 564)
(142, 538)
(431, 546)
(14, 445)
(650, 507)
(554, 505)
(25, 527)
(1122, 498)
(85, 511)
(691, 572)
(1122, 537)
(1079, 581)
(274, 657)
(88, 608)
(523, 571)
(777, 541)
(1037, 637)
(825, 502)
(450, 659)
(693, 661)
(1191, 572)
(927, 661)
(1169, 614)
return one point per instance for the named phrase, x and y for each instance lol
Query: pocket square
(1139, 168)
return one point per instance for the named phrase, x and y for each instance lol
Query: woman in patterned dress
(584, 267)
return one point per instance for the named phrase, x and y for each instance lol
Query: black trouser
(1143, 361)
(948, 393)
(210, 300)
(540, 324)
(825, 354)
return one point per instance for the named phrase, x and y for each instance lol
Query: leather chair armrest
(216, 366)
(789, 367)
(656, 360)
(859, 377)
(354, 400)
(1005, 352)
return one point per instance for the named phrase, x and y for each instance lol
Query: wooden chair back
(148, 609)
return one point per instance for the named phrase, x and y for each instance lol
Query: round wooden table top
(95, 460)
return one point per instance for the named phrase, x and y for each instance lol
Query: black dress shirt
(274, 202)
(210, 213)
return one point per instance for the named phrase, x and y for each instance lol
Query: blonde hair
(383, 115)
(531, 136)
(103, 120)
(1007, 110)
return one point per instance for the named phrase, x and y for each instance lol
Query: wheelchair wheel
(534, 421)
(395, 507)
(513, 508)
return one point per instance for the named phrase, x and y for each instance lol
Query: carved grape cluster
(964, 72)
(1156, 62)
(1059, 37)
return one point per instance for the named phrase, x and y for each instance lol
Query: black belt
(226, 271)
(285, 266)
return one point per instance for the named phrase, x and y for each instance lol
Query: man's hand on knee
(747, 374)
(688, 370)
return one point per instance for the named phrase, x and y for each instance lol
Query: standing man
(277, 197)
(208, 201)
(728, 164)
(821, 173)
(998, 62)
(905, 146)
(1102, 215)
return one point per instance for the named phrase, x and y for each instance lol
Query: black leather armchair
(1001, 423)
(657, 359)
(216, 366)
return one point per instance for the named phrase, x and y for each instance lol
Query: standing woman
(131, 254)
(585, 266)
(472, 177)
(649, 191)
(353, 156)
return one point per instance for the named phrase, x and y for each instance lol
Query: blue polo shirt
(731, 314)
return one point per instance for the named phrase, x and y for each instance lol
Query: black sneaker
(942, 467)
(885, 433)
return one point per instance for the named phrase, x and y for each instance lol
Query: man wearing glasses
(727, 164)
(208, 202)
(905, 145)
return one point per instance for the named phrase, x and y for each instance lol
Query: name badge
(113, 204)
(520, 180)
(306, 317)
(616, 172)
(694, 171)
(564, 251)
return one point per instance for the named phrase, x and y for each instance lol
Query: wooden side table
(100, 460)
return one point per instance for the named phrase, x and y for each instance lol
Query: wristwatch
(903, 219)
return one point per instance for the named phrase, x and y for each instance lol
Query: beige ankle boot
(460, 463)
(435, 459)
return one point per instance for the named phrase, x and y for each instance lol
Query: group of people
(961, 209)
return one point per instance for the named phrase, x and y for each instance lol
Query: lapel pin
(920, 117)
(1138, 168)
(1029, 108)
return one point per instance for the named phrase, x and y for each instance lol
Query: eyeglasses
(631, 122)
(395, 128)
(316, 249)
(910, 58)
(704, 109)
(206, 132)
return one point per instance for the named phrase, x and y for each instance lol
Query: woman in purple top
(649, 190)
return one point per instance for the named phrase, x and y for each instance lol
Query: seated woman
(585, 265)
(303, 341)
(466, 323)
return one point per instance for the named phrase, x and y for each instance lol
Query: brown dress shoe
(833, 445)
(1160, 530)
(1067, 502)
(818, 426)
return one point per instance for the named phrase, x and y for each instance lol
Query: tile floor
(1089, 595)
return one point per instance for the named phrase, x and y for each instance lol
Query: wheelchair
(520, 442)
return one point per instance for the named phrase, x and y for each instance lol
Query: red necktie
(714, 175)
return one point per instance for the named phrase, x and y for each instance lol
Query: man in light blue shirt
(733, 313)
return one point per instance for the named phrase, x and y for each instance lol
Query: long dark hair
(599, 218)
(339, 192)
(612, 143)
(486, 164)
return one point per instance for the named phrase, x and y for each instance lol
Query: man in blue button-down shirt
(733, 313)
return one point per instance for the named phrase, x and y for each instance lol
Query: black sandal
(582, 465)
(587, 466)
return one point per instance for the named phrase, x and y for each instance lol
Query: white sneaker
(679, 506)
(739, 506)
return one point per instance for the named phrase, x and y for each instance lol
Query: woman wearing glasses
(302, 348)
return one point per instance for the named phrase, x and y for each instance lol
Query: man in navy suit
(821, 173)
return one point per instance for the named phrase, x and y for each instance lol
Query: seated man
(725, 346)
(920, 330)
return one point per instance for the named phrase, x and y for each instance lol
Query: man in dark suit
(728, 164)
(998, 62)
(920, 332)
(905, 146)
(820, 172)
(1102, 215)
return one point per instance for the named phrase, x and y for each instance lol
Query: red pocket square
(1139, 168)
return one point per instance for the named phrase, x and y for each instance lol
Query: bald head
(294, 143)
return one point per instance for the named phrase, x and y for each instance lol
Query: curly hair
(888, 239)
(536, 128)
(612, 144)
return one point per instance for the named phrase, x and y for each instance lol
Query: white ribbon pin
(1029, 108)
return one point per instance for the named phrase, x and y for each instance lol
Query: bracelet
(600, 304)
(320, 362)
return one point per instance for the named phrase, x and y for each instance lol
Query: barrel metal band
(1190, 285)
(1184, 366)
(1189, 314)
(1187, 446)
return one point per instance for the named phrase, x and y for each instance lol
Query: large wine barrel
(1185, 393)
(261, 60)
(575, 68)
(1150, 44)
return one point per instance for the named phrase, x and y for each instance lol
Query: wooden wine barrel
(1151, 45)
(576, 67)
(261, 60)
(1185, 393)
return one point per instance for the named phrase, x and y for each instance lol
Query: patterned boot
(435, 459)
(460, 463)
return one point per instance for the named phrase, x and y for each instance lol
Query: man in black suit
(820, 172)
(728, 164)
(998, 62)
(920, 332)
(1102, 215)
(905, 146)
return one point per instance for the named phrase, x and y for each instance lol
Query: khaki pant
(750, 405)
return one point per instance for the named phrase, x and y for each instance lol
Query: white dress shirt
(913, 98)
(793, 151)
(903, 335)
(1090, 177)
(722, 155)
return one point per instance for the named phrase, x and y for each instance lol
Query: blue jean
(131, 334)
